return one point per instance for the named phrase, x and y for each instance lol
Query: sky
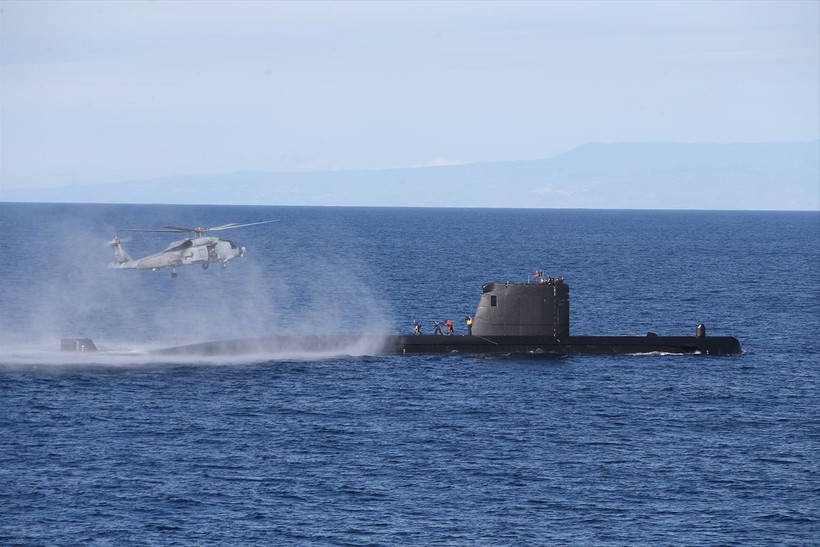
(95, 92)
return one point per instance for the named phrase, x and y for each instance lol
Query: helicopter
(200, 249)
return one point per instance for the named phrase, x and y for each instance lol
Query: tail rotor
(117, 241)
(120, 256)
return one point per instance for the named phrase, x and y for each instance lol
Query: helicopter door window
(200, 253)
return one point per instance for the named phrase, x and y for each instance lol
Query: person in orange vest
(449, 325)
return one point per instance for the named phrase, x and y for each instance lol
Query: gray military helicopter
(200, 249)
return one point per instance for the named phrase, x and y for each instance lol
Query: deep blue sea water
(121, 448)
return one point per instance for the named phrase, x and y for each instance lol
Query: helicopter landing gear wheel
(204, 265)
(174, 273)
(224, 265)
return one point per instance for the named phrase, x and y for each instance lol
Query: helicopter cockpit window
(181, 246)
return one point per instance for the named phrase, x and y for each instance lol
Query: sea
(123, 447)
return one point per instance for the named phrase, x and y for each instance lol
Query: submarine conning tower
(523, 309)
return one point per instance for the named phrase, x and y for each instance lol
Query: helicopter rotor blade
(172, 229)
(235, 225)
(222, 227)
(182, 229)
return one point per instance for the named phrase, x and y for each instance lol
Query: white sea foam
(129, 314)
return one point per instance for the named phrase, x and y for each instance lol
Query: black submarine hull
(567, 345)
(438, 344)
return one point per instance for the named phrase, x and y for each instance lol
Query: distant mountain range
(753, 176)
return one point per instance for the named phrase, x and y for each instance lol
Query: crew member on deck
(449, 325)
(469, 321)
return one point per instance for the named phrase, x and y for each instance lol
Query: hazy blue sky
(110, 91)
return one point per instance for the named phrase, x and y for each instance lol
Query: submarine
(534, 318)
(511, 318)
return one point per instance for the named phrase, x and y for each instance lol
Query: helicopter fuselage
(198, 250)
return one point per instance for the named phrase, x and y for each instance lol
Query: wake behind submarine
(511, 318)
